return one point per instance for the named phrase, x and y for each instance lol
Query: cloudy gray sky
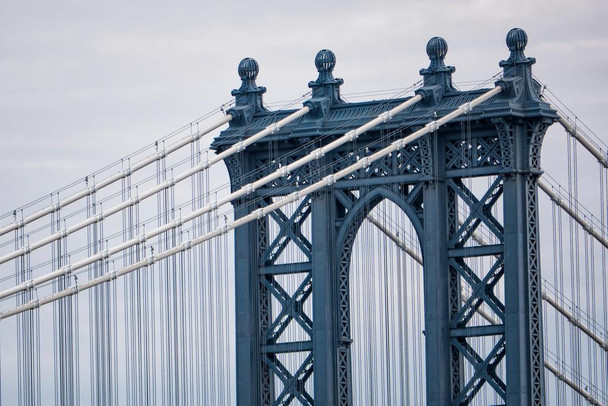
(83, 84)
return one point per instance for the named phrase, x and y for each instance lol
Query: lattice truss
(285, 268)
(285, 252)
(475, 271)
(476, 262)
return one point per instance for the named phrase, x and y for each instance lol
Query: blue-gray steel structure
(427, 179)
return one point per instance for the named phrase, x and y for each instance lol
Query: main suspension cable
(148, 193)
(111, 179)
(245, 190)
(326, 181)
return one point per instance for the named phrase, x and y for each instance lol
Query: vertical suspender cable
(128, 297)
(56, 336)
(163, 293)
(574, 257)
(160, 156)
(558, 283)
(196, 271)
(573, 131)
(108, 181)
(91, 349)
(604, 270)
(348, 137)
(326, 181)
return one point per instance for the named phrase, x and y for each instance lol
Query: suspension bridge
(334, 250)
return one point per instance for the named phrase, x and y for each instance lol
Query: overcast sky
(83, 84)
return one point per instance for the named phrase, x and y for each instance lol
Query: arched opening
(386, 308)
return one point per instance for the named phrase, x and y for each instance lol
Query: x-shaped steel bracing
(482, 288)
(292, 306)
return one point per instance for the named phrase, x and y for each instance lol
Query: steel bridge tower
(428, 180)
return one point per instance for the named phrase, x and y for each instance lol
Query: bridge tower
(429, 180)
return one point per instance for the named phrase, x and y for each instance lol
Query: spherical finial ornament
(248, 69)
(437, 48)
(325, 61)
(517, 39)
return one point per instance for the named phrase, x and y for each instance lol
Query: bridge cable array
(151, 192)
(247, 189)
(557, 197)
(327, 181)
(405, 247)
(102, 184)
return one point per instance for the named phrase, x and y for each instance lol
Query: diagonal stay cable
(245, 190)
(111, 179)
(260, 213)
(602, 157)
(561, 201)
(239, 146)
(301, 148)
(551, 367)
(404, 246)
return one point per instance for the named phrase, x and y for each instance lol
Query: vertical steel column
(437, 81)
(516, 282)
(250, 388)
(523, 312)
(254, 384)
(247, 323)
(523, 331)
(325, 326)
(436, 278)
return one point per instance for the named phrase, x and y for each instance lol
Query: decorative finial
(437, 49)
(520, 67)
(325, 61)
(248, 69)
(517, 39)
(437, 73)
(249, 93)
(326, 85)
